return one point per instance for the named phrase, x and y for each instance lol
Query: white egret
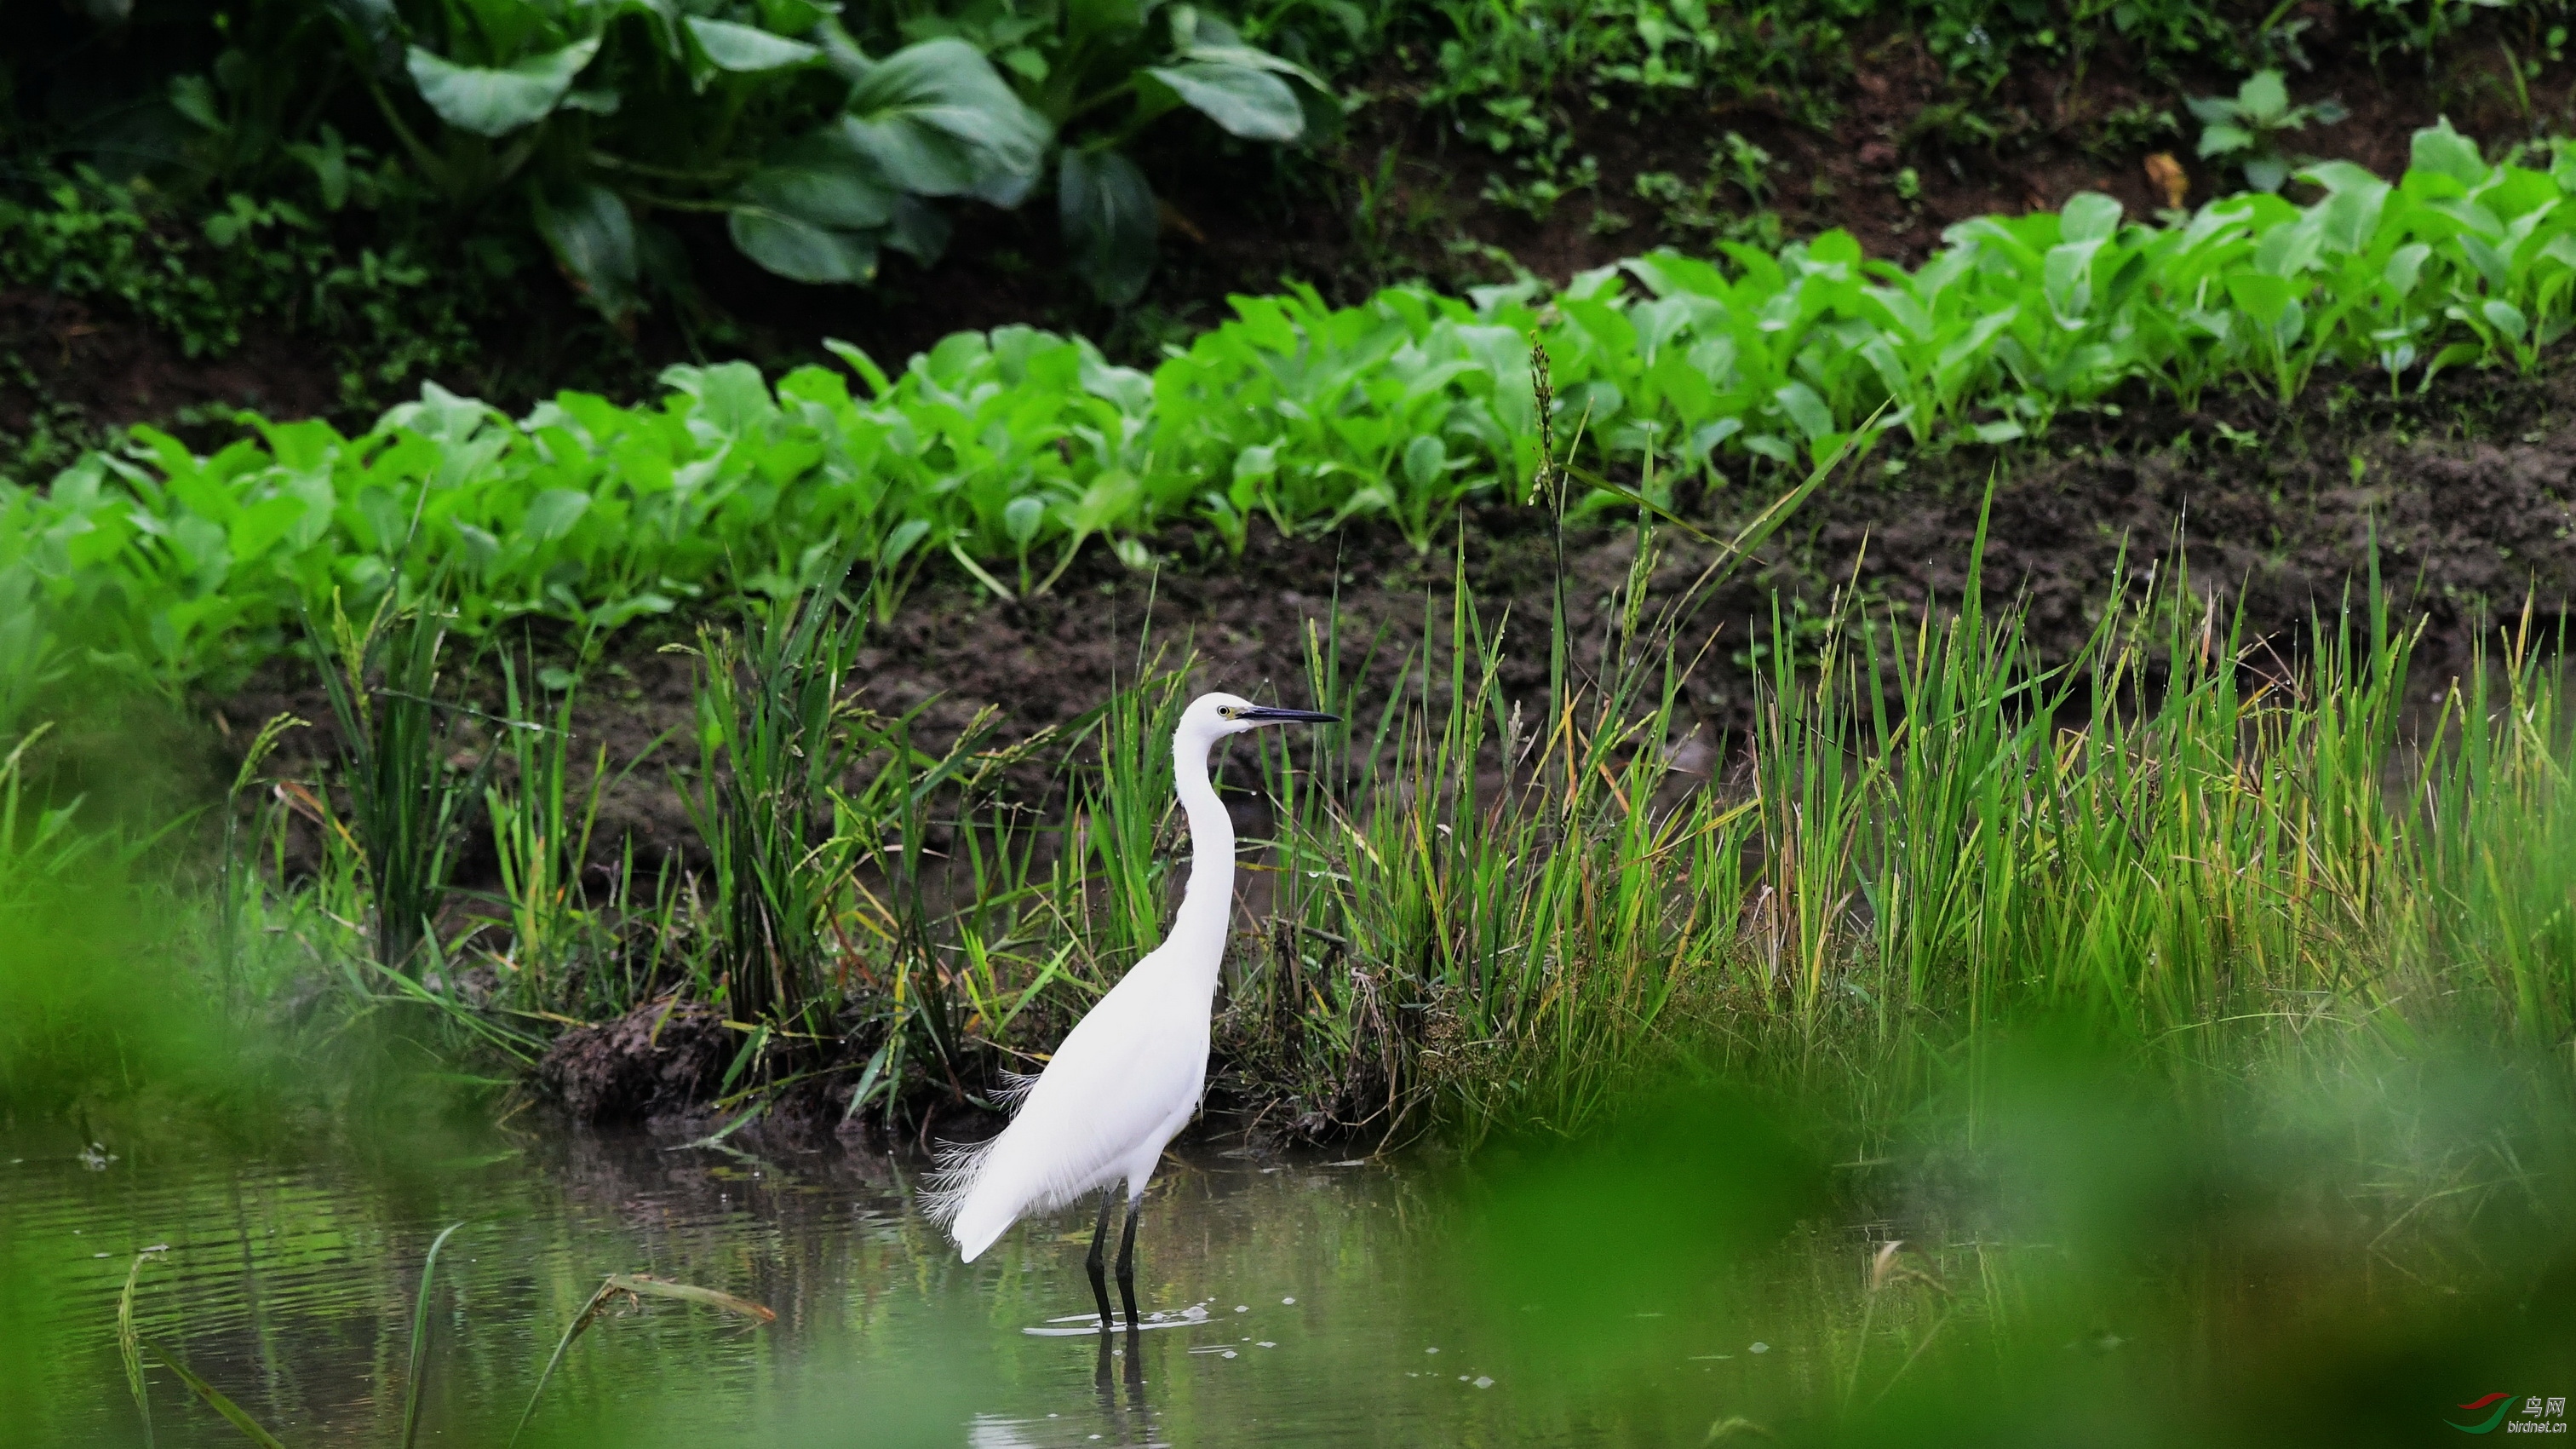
(1129, 1074)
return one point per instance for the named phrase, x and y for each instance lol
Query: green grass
(1003, 456)
(1488, 910)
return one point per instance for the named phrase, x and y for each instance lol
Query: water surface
(1311, 1299)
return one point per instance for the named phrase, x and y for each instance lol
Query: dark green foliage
(588, 128)
(1101, 74)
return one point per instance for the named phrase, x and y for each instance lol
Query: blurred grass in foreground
(2053, 1247)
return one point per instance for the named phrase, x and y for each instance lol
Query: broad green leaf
(823, 179)
(1205, 37)
(1806, 409)
(2089, 216)
(2225, 140)
(919, 230)
(801, 250)
(552, 514)
(1425, 458)
(1020, 519)
(2211, 110)
(938, 121)
(2405, 265)
(193, 96)
(593, 235)
(1109, 221)
(2260, 296)
(746, 48)
(1104, 503)
(905, 537)
(1253, 104)
(795, 17)
(2263, 98)
(375, 19)
(2445, 152)
(496, 101)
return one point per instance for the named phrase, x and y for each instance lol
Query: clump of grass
(407, 804)
(563, 946)
(775, 733)
(1490, 906)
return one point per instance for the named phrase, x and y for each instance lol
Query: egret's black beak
(1264, 714)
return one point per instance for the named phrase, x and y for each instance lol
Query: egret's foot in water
(1077, 1325)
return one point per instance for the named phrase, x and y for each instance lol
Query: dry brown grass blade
(645, 1285)
(633, 1286)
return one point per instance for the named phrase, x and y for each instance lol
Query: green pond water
(1702, 1282)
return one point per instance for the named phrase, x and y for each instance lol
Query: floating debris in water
(1243, 1308)
(1287, 1300)
(1078, 1325)
(1431, 1350)
(1484, 1381)
(1761, 1348)
(1265, 1343)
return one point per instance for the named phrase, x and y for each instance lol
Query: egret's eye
(1228, 711)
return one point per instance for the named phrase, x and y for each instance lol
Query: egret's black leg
(1126, 1267)
(1100, 1286)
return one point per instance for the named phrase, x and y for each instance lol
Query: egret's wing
(1121, 1075)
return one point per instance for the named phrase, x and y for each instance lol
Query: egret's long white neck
(1209, 898)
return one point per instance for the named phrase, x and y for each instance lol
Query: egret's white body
(1129, 1075)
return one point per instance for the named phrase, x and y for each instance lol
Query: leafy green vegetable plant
(593, 117)
(1004, 454)
(1101, 72)
(2247, 128)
